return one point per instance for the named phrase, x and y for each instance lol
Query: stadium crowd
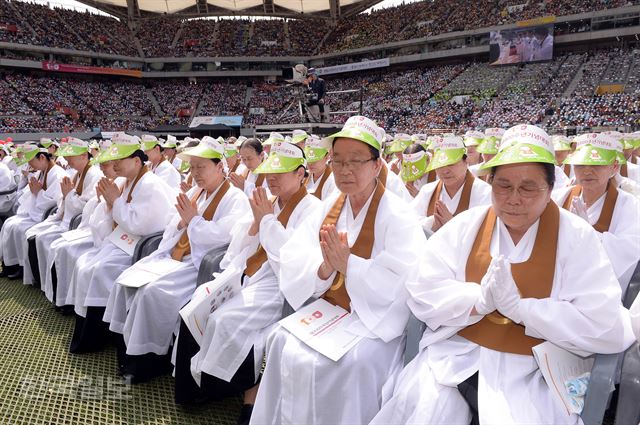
(167, 36)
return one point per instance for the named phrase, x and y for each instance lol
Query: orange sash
(183, 246)
(465, 196)
(260, 256)
(337, 293)
(604, 221)
(323, 180)
(534, 279)
(45, 174)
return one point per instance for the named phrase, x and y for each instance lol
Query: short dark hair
(414, 148)
(549, 173)
(253, 144)
(306, 173)
(139, 154)
(45, 154)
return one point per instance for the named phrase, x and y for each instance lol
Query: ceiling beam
(358, 7)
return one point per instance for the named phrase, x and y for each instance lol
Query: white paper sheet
(559, 366)
(323, 327)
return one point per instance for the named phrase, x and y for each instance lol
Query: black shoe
(17, 274)
(245, 414)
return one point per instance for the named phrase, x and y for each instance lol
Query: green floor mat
(41, 383)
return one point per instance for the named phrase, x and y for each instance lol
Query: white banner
(269, 43)
(378, 63)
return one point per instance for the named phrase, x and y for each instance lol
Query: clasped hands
(498, 291)
(335, 251)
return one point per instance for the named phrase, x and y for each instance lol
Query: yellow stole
(183, 246)
(337, 293)
(604, 221)
(534, 279)
(465, 196)
(260, 256)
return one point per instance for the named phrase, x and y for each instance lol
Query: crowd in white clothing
(502, 243)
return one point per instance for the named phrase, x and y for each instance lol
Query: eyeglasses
(526, 191)
(354, 164)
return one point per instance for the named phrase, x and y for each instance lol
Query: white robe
(328, 188)
(396, 185)
(51, 229)
(242, 322)
(148, 316)
(622, 241)
(480, 195)
(29, 213)
(633, 172)
(583, 315)
(250, 184)
(168, 173)
(7, 182)
(300, 385)
(148, 212)
(561, 178)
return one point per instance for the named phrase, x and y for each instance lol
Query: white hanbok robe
(396, 185)
(7, 182)
(168, 173)
(51, 229)
(583, 315)
(250, 184)
(328, 188)
(66, 255)
(148, 316)
(300, 385)
(561, 178)
(480, 195)
(633, 172)
(243, 321)
(148, 212)
(622, 241)
(30, 211)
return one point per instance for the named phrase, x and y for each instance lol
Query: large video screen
(521, 45)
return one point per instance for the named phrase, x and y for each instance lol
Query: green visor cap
(414, 166)
(561, 143)
(148, 142)
(299, 136)
(521, 144)
(601, 149)
(73, 147)
(449, 150)
(284, 157)
(208, 148)
(362, 129)
(316, 148)
(473, 138)
(170, 143)
(31, 150)
(123, 146)
(400, 143)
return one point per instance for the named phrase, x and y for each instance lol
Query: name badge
(124, 240)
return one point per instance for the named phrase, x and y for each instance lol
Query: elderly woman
(232, 344)
(499, 281)
(414, 174)
(613, 213)
(140, 209)
(42, 193)
(147, 316)
(251, 154)
(64, 253)
(321, 182)
(356, 252)
(472, 139)
(158, 164)
(456, 190)
(75, 194)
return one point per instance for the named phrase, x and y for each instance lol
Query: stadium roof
(201, 8)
